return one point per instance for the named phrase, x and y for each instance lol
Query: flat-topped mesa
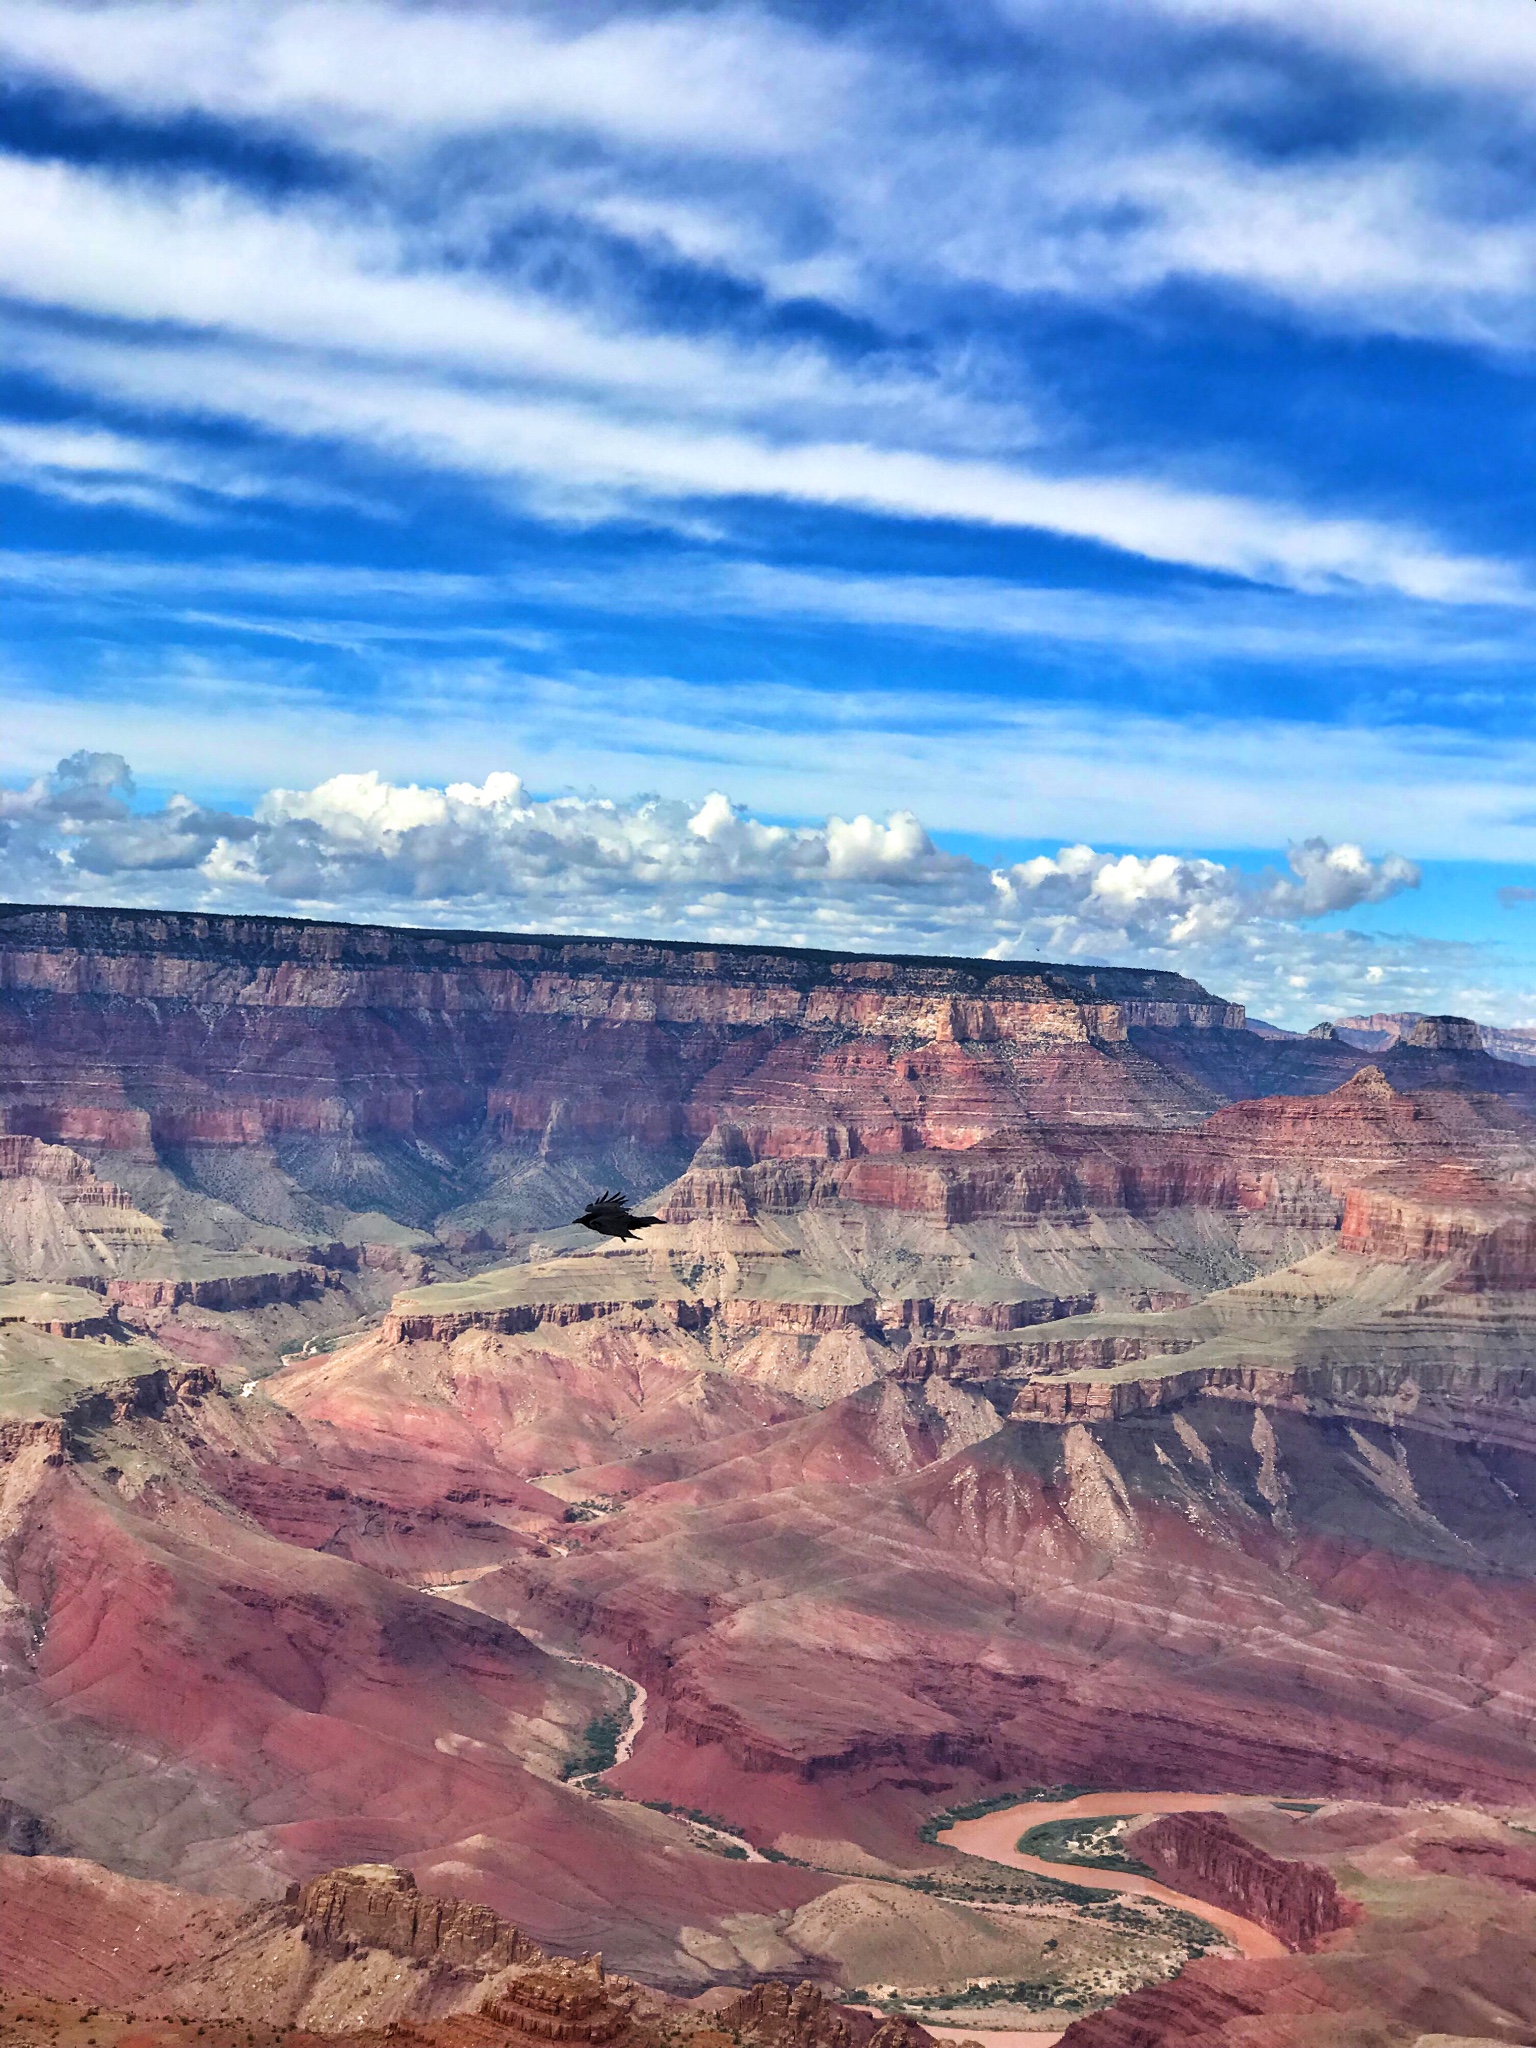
(287, 963)
(377, 1905)
(1445, 1034)
(146, 1031)
(256, 959)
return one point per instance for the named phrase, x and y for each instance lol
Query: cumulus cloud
(491, 854)
(78, 824)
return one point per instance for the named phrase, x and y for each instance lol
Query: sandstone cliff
(1204, 1855)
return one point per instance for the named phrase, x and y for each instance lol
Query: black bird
(611, 1216)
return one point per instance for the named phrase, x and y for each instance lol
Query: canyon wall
(1204, 1855)
(1035, 1376)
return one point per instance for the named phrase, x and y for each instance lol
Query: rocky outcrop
(798, 1318)
(60, 1168)
(1204, 1855)
(1467, 1399)
(732, 1316)
(57, 1219)
(1194, 2012)
(1097, 1354)
(223, 1291)
(1454, 1214)
(373, 1905)
(922, 1313)
(1065, 1400)
(971, 1361)
(564, 2002)
(409, 1325)
(66, 1325)
(1445, 1034)
(53, 1440)
(774, 2015)
(42, 1438)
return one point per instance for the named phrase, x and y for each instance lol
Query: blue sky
(950, 434)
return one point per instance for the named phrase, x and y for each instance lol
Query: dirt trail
(994, 1835)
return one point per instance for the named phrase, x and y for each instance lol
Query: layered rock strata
(1204, 1855)
(379, 1906)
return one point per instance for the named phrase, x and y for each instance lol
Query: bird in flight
(611, 1216)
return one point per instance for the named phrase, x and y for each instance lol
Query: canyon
(1038, 1378)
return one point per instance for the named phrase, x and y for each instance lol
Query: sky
(1028, 478)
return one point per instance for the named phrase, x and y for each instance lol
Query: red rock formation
(846, 1616)
(221, 1291)
(948, 1090)
(1499, 1862)
(920, 1313)
(1088, 1354)
(430, 1011)
(1204, 2008)
(406, 1325)
(378, 1906)
(1103, 1400)
(1453, 1213)
(27, 1158)
(1205, 1855)
(563, 2002)
(772, 2015)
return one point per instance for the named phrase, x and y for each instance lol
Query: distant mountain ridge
(1386, 1028)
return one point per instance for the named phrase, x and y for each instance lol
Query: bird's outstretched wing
(610, 1216)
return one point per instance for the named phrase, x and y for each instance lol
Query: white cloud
(89, 465)
(583, 461)
(197, 254)
(732, 79)
(727, 133)
(797, 161)
(1482, 43)
(491, 855)
(236, 720)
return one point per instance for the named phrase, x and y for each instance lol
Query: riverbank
(994, 1836)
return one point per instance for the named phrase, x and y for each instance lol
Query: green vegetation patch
(1017, 1888)
(1095, 1841)
(696, 1814)
(599, 1747)
(1033, 1995)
